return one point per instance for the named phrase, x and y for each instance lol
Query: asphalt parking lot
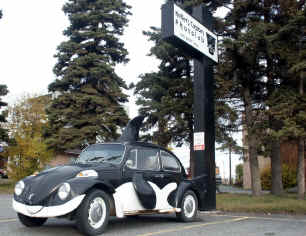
(213, 223)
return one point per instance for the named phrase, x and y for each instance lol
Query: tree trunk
(254, 167)
(301, 150)
(276, 169)
(252, 143)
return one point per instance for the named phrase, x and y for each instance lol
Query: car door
(170, 167)
(173, 173)
(145, 162)
(157, 166)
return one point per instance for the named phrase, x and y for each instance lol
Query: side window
(143, 159)
(169, 162)
(132, 159)
(148, 159)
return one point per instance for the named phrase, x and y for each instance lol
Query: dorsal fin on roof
(131, 131)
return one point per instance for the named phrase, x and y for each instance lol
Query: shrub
(288, 177)
(27, 149)
(239, 175)
(266, 178)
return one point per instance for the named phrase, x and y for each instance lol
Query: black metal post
(230, 164)
(204, 120)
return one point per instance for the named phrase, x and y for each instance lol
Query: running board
(150, 212)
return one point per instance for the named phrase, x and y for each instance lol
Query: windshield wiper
(105, 159)
(96, 158)
(112, 158)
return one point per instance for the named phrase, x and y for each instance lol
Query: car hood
(39, 187)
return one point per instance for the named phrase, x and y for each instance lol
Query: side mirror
(130, 164)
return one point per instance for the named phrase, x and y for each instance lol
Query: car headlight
(64, 191)
(19, 187)
(87, 173)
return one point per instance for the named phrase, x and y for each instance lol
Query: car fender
(82, 185)
(197, 185)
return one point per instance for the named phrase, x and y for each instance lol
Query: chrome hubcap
(97, 213)
(189, 206)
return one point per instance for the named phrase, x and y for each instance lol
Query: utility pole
(194, 35)
(230, 163)
(204, 114)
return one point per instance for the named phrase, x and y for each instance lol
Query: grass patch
(267, 203)
(6, 187)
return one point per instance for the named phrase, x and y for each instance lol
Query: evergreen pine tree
(167, 96)
(288, 101)
(260, 48)
(88, 95)
(254, 68)
(242, 72)
(239, 78)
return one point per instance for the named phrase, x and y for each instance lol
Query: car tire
(31, 221)
(93, 214)
(189, 207)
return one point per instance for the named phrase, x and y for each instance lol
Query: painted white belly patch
(126, 199)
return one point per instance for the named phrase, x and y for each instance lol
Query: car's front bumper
(50, 211)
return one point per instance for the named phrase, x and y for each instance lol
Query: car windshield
(111, 153)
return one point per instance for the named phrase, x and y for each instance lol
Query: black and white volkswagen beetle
(111, 179)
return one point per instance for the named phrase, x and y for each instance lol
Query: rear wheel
(93, 214)
(31, 221)
(189, 207)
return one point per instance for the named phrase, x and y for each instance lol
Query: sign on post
(198, 141)
(185, 31)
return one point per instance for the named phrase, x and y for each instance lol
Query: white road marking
(7, 220)
(193, 226)
(262, 218)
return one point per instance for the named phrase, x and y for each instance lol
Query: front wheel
(93, 214)
(189, 207)
(31, 221)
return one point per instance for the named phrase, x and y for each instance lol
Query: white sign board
(195, 34)
(199, 141)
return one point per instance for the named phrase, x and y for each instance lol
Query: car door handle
(160, 176)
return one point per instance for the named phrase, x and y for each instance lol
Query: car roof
(152, 145)
(136, 143)
(145, 144)
(141, 144)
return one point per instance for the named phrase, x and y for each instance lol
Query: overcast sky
(31, 30)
